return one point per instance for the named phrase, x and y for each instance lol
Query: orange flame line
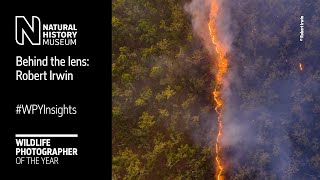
(222, 65)
(300, 66)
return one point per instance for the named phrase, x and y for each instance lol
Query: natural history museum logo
(34, 32)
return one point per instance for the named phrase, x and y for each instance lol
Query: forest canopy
(163, 117)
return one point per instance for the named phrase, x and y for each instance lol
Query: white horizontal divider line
(46, 135)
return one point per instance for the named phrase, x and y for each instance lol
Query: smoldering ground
(271, 109)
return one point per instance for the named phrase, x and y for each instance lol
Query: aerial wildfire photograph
(216, 89)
